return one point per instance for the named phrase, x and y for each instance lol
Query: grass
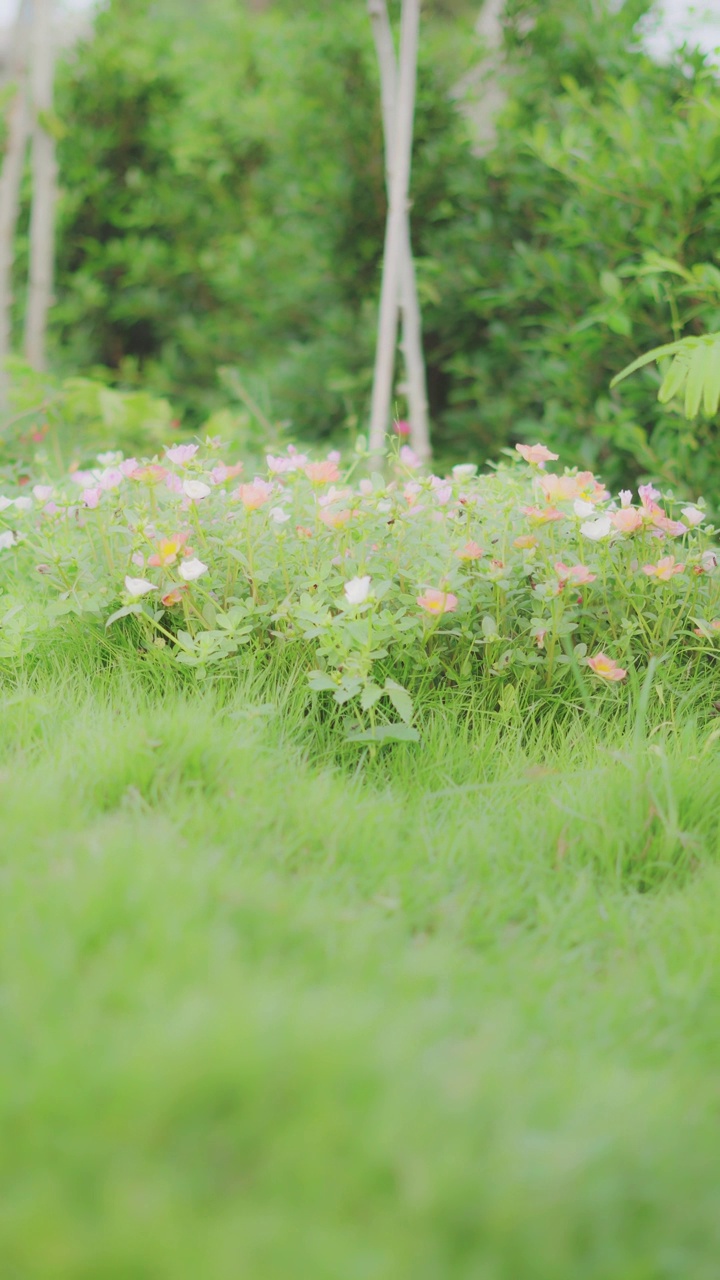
(453, 1011)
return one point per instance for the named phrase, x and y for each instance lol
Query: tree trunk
(396, 240)
(411, 342)
(18, 125)
(44, 176)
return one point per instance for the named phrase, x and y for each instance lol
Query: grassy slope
(458, 1017)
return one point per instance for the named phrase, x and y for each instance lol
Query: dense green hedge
(223, 205)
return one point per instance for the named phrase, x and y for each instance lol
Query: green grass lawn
(453, 1013)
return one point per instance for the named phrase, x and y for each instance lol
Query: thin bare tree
(44, 183)
(395, 229)
(411, 341)
(18, 128)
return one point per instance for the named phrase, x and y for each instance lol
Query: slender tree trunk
(18, 125)
(395, 233)
(44, 181)
(411, 341)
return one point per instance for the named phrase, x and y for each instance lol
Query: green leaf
(320, 681)
(400, 699)
(370, 695)
(670, 349)
(123, 613)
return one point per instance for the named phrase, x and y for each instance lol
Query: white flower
(464, 470)
(625, 497)
(582, 508)
(109, 459)
(597, 529)
(43, 492)
(138, 586)
(195, 489)
(693, 515)
(23, 504)
(189, 570)
(709, 561)
(7, 540)
(279, 515)
(357, 590)
(5, 503)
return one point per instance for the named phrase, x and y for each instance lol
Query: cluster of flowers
(522, 572)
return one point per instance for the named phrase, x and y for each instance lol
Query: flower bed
(380, 586)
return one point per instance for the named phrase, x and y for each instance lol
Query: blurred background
(221, 215)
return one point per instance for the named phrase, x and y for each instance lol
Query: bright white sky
(697, 21)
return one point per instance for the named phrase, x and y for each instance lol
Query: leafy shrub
(381, 589)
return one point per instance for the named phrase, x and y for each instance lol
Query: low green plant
(379, 589)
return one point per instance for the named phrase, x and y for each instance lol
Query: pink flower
(578, 574)
(606, 667)
(111, 479)
(174, 596)
(181, 453)
(664, 570)
(471, 551)
(566, 488)
(281, 466)
(693, 515)
(322, 472)
(648, 495)
(91, 497)
(334, 519)
(409, 458)
(627, 519)
(542, 515)
(536, 454)
(254, 495)
(540, 637)
(43, 492)
(673, 528)
(625, 497)
(221, 472)
(169, 550)
(128, 466)
(437, 601)
(402, 428)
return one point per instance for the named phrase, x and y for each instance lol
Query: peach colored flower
(169, 550)
(335, 519)
(540, 638)
(627, 520)
(536, 454)
(254, 495)
(578, 574)
(471, 551)
(322, 472)
(566, 488)
(173, 597)
(302, 531)
(606, 667)
(542, 515)
(664, 570)
(436, 601)
(714, 626)
(526, 541)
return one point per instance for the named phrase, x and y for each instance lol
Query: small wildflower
(535, 454)
(91, 498)
(627, 520)
(471, 551)
(173, 597)
(648, 495)
(526, 541)
(402, 428)
(578, 574)
(335, 519)
(464, 471)
(437, 601)
(709, 561)
(693, 515)
(190, 570)
(138, 586)
(664, 570)
(279, 515)
(169, 550)
(625, 497)
(196, 490)
(606, 667)
(357, 590)
(597, 529)
(542, 515)
(254, 495)
(409, 458)
(7, 540)
(42, 492)
(181, 453)
(322, 472)
(540, 637)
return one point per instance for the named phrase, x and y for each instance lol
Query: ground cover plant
(375, 591)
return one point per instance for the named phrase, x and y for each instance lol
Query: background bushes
(224, 205)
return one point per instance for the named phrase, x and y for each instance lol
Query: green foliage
(224, 206)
